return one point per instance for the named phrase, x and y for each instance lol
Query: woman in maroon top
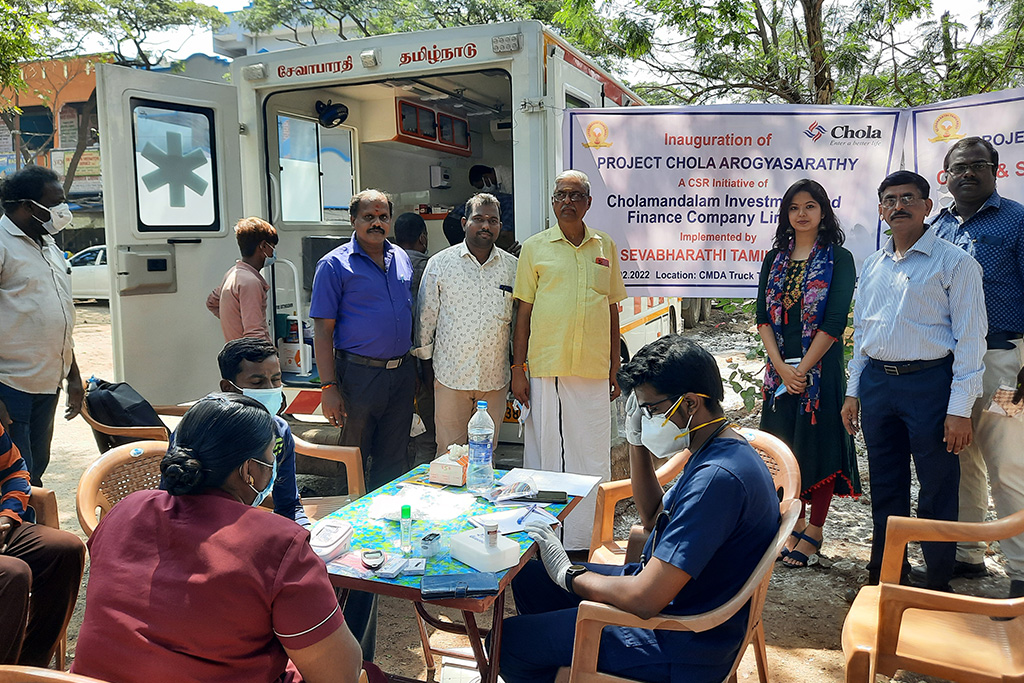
(194, 584)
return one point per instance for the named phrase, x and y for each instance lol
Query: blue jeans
(32, 427)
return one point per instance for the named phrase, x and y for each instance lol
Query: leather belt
(1002, 340)
(898, 368)
(386, 363)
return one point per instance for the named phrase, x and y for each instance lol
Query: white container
(330, 538)
(470, 547)
(447, 470)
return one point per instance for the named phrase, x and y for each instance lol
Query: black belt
(897, 368)
(386, 363)
(1002, 340)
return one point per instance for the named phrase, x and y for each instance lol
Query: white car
(89, 277)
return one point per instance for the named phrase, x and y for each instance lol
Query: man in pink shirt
(241, 300)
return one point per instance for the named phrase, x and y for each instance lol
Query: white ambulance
(290, 139)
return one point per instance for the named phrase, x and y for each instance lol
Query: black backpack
(118, 405)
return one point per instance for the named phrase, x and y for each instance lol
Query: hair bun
(182, 473)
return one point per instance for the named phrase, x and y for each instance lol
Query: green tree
(19, 23)
(802, 51)
(349, 19)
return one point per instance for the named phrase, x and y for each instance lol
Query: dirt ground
(805, 608)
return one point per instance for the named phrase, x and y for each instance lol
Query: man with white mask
(707, 533)
(36, 349)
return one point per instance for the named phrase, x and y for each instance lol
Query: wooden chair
(779, 459)
(157, 433)
(593, 617)
(115, 474)
(136, 467)
(44, 502)
(30, 674)
(605, 549)
(951, 636)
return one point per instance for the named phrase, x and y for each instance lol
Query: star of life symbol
(814, 131)
(174, 169)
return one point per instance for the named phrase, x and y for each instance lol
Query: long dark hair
(217, 434)
(830, 232)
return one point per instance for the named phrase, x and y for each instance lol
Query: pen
(527, 513)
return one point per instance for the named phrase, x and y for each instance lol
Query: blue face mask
(272, 399)
(262, 495)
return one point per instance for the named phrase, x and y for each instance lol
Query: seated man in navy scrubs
(707, 535)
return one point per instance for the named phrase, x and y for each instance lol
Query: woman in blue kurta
(707, 535)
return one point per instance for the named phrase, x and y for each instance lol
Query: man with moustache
(362, 316)
(565, 349)
(464, 321)
(991, 229)
(919, 337)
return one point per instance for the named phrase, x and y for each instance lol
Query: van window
(337, 170)
(175, 167)
(299, 163)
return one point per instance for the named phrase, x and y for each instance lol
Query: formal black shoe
(961, 570)
(918, 578)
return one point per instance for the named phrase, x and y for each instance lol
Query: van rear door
(172, 194)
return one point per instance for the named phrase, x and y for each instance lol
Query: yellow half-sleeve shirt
(571, 289)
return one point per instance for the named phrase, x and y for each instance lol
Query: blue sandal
(799, 556)
(784, 553)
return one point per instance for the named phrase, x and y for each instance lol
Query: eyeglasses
(646, 408)
(265, 464)
(890, 202)
(975, 166)
(562, 195)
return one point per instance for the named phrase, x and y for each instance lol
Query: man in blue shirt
(362, 313)
(919, 337)
(991, 229)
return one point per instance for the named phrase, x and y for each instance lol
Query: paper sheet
(508, 521)
(572, 484)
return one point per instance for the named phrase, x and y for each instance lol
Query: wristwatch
(572, 572)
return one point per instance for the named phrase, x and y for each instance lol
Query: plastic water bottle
(480, 473)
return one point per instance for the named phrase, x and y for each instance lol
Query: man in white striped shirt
(919, 338)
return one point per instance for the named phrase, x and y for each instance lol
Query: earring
(251, 480)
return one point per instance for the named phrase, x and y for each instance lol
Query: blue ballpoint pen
(527, 513)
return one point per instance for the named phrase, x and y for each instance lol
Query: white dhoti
(569, 430)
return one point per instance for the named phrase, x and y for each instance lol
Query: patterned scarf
(817, 280)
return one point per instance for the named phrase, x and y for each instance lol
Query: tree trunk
(83, 140)
(824, 86)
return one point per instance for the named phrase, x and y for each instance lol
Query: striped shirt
(14, 484)
(922, 306)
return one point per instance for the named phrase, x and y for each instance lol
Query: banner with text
(997, 117)
(691, 194)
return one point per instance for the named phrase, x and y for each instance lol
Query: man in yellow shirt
(565, 349)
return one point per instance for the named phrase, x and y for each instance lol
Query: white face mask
(660, 434)
(262, 495)
(60, 217)
(272, 399)
(488, 187)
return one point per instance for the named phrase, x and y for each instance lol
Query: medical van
(291, 137)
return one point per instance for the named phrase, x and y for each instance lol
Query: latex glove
(634, 420)
(552, 554)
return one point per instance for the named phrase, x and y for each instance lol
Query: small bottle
(406, 540)
(480, 472)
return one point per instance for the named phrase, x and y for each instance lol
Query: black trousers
(46, 563)
(380, 405)
(903, 418)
